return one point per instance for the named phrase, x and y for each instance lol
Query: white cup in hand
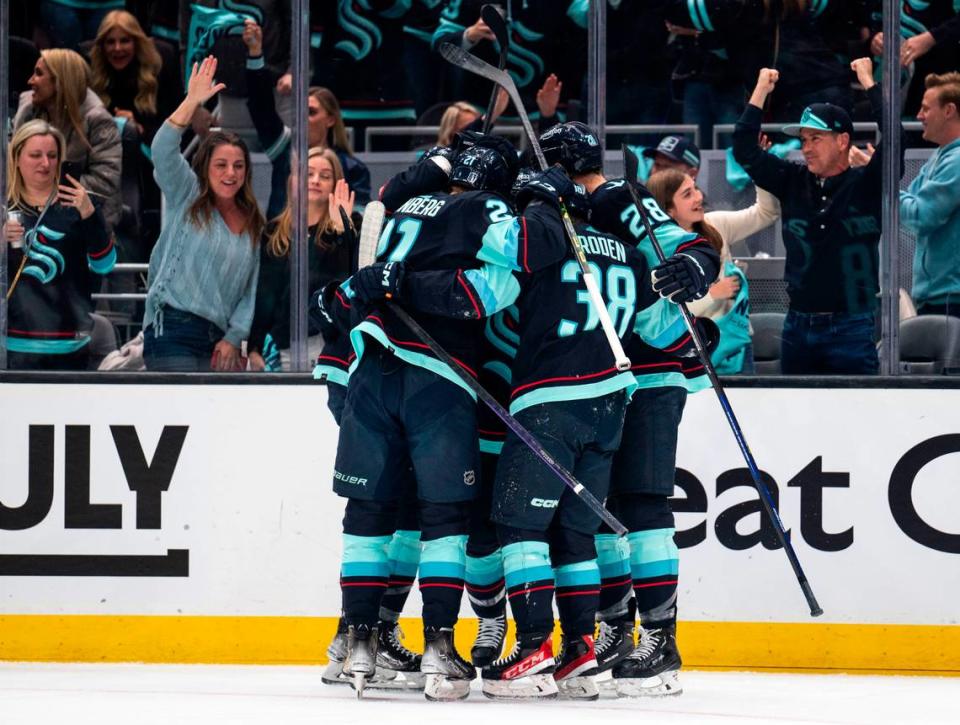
(17, 218)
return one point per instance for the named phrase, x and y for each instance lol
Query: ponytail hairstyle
(203, 206)
(664, 186)
(278, 242)
(146, 57)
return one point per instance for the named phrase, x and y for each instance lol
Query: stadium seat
(767, 329)
(103, 339)
(930, 345)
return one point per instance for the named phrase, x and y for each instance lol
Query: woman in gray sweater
(203, 270)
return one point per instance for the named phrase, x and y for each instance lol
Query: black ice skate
(651, 670)
(397, 667)
(489, 643)
(524, 674)
(360, 663)
(337, 652)
(577, 669)
(447, 674)
(615, 639)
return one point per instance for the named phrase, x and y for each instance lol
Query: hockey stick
(373, 215)
(462, 59)
(492, 16)
(512, 423)
(630, 171)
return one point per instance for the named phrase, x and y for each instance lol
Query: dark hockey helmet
(573, 145)
(578, 203)
(489, 165)
(523, 176)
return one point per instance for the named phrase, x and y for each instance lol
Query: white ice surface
(145, 694)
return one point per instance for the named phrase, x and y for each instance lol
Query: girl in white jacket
(725, 302)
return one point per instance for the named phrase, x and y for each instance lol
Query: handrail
(664, 128)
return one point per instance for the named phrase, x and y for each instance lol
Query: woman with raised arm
(55, 241)
(331, 254)
(203, 270)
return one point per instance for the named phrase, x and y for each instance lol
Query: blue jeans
(830, 343)
(185, 345)
(68, 27)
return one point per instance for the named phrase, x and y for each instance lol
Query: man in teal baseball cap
(825, 131)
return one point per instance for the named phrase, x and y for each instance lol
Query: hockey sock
(578, 592)
(442, 566)
(363, 577)
(485, 585)
(404, 555)
(654, 565)
(616, 584)
(529, 577)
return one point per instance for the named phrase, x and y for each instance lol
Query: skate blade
(395, 680)
(665, 684)
(440, 688)
(359, 682)
(530, 687)
(578, 688)
(333, 675)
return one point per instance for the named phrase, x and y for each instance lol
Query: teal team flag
(208, 25)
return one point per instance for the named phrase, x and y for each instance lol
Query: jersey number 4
(619, 290)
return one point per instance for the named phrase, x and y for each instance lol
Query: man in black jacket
(831, 231)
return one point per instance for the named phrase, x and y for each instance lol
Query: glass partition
(368, 85)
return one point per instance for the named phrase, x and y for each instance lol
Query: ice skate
(652, 669)
(614, 644)
(577, 669)
(524, 674)
(398, 668)
(337, 652)
(447, 675)
(360, 663)
(490, 638)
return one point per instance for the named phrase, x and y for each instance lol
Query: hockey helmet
(573, 145)
(523, 176)
(489, 165)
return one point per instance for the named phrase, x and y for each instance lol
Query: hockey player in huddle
(397, 666)
(639, 574)
(404, 402)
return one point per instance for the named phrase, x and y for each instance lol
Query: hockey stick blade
(462, 59)
(373, 215)
(493, 17)
(512, 423)
(630, 165)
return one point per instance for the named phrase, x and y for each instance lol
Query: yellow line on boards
(770, 647)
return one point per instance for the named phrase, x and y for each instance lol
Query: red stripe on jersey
(526, 267)
(42, 333)
(104, 253)
(331, 357)
(463, 283)
(343, 300)
(562, 379)
(687, 245)
(683, 341)
(654, 584)
(407, 343)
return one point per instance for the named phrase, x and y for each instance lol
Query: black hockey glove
(548, 186)
(680, 279)
(378, 281)
(319, 318)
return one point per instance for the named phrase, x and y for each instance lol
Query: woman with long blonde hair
(56, 242)
(130, 75)
(60, 94)
(331, 254)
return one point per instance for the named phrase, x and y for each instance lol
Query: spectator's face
(826, 153)
(227, 171)
(662, 162)
(38, 162)
(933, 116)
(119, 48)
(42, 84)
(320, 179)
(319, 123)
(687, 206)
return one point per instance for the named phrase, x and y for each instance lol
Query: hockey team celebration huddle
(506, 313)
